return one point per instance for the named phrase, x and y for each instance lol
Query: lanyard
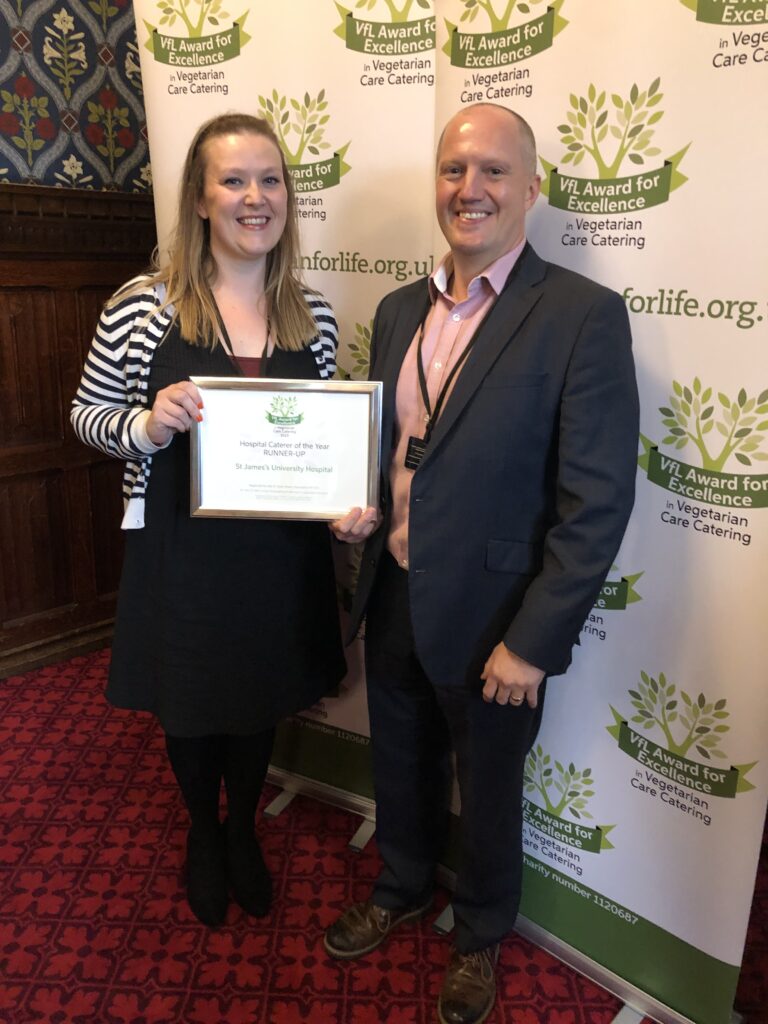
(417, 446)
(432, 415)
(227, 345)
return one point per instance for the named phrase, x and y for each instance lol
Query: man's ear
(534, 188)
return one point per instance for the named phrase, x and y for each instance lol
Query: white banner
(647, 787)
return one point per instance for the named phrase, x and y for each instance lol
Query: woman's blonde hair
(191, 266)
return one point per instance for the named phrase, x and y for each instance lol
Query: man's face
(484, 188)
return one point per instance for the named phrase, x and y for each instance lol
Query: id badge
(415, 452)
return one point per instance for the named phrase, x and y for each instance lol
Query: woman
(223, 626)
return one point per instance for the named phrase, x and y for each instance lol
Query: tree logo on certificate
(688, 725)
(300, 126)
(405, 33)
(205, 35)
(613, 132)
(283, 412)
(720, 428)
(729, 12)
(504, 43)
(562, 789)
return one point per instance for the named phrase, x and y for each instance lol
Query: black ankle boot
(207, 877)
(248, 875)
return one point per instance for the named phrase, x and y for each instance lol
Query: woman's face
(245, 199)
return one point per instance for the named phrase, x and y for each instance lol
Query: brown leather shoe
(364, 926)
(469, 989)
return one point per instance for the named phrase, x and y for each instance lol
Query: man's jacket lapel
(520, 294)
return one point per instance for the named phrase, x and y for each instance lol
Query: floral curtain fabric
(71, 100)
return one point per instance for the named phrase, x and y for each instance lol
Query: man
(509, 442)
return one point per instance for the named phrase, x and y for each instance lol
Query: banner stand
(279, 804)
(638, 1004)
(293, 784)
(649, 772)
(627, 1015)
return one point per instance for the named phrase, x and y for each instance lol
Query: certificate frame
(288, 482)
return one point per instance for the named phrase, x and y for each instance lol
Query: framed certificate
(285, 449)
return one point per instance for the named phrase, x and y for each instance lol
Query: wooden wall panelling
(60, 502)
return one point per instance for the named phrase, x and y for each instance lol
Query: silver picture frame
(285, 449)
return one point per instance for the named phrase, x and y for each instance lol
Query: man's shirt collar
(496, 274)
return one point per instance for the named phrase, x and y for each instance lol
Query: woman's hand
(358, 524)
(176, 408)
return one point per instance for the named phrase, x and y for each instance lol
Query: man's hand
(358, 524)
(509, 679)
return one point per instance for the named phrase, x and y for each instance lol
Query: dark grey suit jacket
(520, 503)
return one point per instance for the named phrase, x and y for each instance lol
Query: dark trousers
(415, 724)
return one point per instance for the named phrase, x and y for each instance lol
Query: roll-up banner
(646, 789)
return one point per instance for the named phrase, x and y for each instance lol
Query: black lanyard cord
(432, 416)
(227, 344)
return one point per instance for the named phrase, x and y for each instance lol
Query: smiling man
(509, 441)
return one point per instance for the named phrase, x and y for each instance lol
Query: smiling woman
(244, 198)
(223, 626)
(197, 287)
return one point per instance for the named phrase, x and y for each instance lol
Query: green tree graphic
(588, 127)
(209, 12)
(283, 407)
(304, 119)
(690, 416)
(656, 705)
(360, 352)
(396, 14)
(500, 21)
(562, 789)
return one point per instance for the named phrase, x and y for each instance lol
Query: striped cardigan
(110, 409)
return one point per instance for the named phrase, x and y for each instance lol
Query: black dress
(223, 625)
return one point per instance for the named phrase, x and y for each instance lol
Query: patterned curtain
(71, 100)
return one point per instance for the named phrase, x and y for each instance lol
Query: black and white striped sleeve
(109, 410)
(327, 341)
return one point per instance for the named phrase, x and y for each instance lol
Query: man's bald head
(485, 184)
(518, 127)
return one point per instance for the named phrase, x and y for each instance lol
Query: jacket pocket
(511, 556)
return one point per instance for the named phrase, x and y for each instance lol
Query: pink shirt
(449, 327)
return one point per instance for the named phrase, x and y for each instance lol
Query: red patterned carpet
(94, 927)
